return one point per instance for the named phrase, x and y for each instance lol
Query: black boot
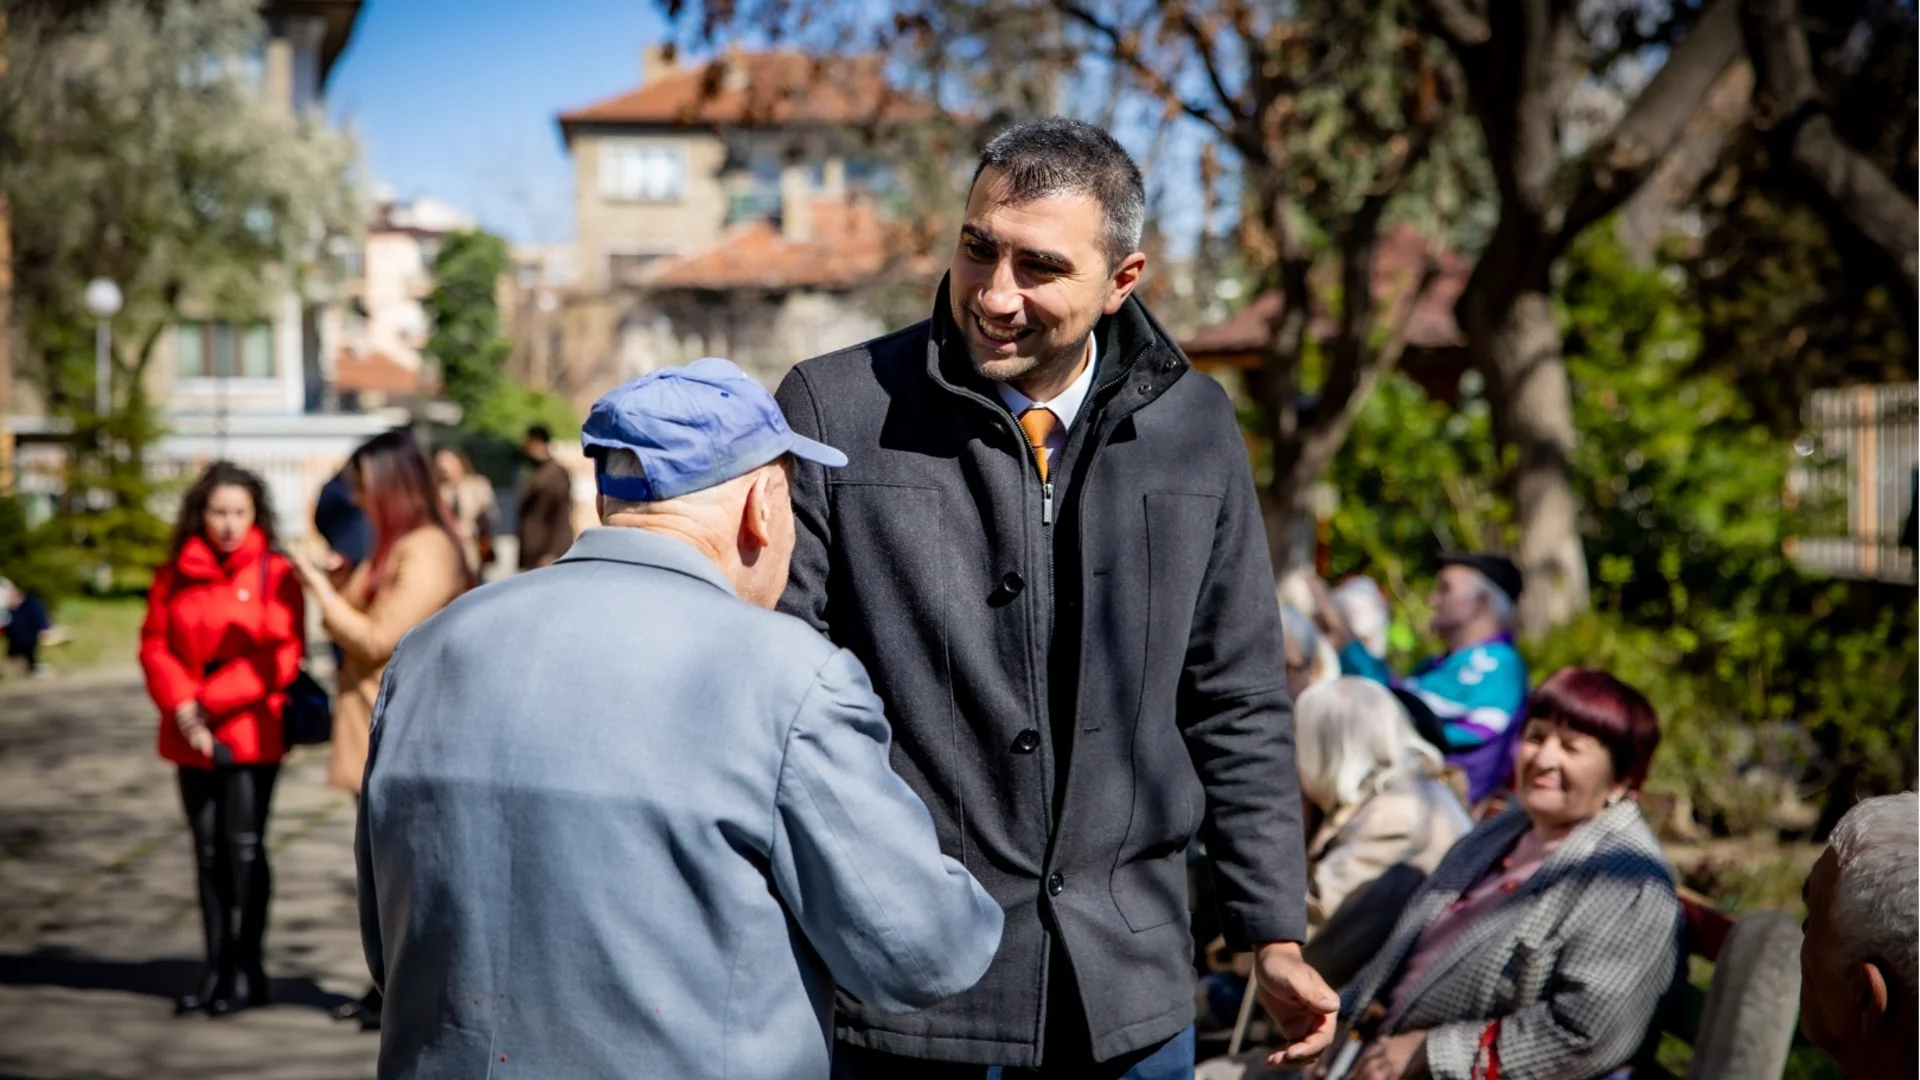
(216, 923)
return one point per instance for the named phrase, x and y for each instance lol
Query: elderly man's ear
(1868, 987)
(762, 504)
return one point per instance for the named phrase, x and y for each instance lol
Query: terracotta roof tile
(373, 372)
(769, 88)
(1396, 268)
(848, 246)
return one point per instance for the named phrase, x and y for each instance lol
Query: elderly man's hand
(1299, 1000)
(1394, 1057)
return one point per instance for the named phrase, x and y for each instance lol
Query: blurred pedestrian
(415, 569)
(221, 641)
(1467, 700)
(1859, 961)
(1048, 551)
(654, 823)
(341, 523)
(469, 498)
(545, 518)
(27, 622)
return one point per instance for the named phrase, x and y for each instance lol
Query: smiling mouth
(1001, 335)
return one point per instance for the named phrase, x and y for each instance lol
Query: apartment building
(731, 207)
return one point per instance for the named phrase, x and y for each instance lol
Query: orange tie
(1038, 422)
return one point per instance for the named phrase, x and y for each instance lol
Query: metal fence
(1856, 482)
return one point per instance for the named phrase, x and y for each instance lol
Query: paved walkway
(98, 924)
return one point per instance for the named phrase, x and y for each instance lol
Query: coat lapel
(1515, 916)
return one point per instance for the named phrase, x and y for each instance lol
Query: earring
(1613, 799)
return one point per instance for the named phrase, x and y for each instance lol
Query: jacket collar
(1137, 361)
(198, 561)
(614, 543)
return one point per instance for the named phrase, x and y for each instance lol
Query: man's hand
(1394, 1057)
(1299, 1000)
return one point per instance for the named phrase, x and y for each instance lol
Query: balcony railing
(1857, 479)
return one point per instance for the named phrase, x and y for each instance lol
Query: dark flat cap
(1498, 569)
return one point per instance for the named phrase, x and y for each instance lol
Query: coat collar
(198, 561)
(1137, 361)
(613, 543)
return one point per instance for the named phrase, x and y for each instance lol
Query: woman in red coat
(221, 642)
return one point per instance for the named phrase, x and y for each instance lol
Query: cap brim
(817, 452)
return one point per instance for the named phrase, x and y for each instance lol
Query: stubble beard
(1017, 368)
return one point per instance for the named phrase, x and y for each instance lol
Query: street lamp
(103, 300)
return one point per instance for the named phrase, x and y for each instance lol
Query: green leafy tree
(137, 144)
(470, 348)
(1757, 669)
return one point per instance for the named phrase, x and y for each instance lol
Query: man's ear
(1869, 990)
(756, 515)
(1121, 283)
(600, 507)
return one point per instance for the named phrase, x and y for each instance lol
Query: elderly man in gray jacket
(620, 819)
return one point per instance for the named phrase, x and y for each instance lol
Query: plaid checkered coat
(1572, 966)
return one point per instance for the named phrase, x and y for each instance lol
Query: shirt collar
(1065, 405)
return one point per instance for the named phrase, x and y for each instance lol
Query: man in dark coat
(545, 512)
(1048, 553)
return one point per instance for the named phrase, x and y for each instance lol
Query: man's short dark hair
(539, 433)
(1058, 156)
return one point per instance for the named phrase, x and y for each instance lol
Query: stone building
(729, 208)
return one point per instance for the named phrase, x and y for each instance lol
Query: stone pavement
(98, 922)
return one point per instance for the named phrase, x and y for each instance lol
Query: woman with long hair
(416, 569)
(221, 642)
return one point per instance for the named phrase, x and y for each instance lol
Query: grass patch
(97, 632)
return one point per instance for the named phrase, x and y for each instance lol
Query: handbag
(307, 719)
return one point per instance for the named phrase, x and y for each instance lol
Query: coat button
(1013, 583)
(1056, 884)
(1026, 742)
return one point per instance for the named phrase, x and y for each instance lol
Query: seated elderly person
(1541, 946)
(1310, 659)
(1859, 995)
(1377, 783)
(1470, 696)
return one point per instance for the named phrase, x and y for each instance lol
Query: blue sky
(456, 98)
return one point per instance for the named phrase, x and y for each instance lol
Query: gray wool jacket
(1571, 967)
(1080, 680)
(618, 822)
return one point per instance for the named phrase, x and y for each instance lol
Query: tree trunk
(1519, 353)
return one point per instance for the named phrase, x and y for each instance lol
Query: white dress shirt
(1065, 406)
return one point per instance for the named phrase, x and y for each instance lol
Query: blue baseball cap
(691, 427)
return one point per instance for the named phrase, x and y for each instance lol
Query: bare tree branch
(1852, 190)
(1203, 44)
(1616, 166)
(1124, 52)
(1462, 22)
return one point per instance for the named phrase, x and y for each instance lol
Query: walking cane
(1246, 1015)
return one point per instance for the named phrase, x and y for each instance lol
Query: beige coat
(1403, 817)
(428, 571)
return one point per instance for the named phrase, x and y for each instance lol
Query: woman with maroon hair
(1544, 941)
(416, 569)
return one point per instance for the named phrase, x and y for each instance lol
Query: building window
(216, 350)
(628, 171)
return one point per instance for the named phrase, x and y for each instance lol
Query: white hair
(1364, 606)
(1348, 729)
(1323, 660)
(1497, 599)
(626, 464)
(1875, 912)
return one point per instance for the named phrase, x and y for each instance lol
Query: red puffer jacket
(213, 635)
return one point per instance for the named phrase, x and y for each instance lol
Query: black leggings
(227, 811)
